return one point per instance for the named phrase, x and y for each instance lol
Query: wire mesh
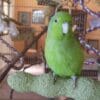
(22, 12)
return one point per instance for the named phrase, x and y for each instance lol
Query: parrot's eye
(56, 20)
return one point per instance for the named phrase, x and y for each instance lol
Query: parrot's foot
(44, 60)
(47, 70)
(54, 78)
(74, 78)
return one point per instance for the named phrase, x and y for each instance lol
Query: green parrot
(63, 52)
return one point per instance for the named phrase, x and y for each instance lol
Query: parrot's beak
(74, 28)
(65, 28)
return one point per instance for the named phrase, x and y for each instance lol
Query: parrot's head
(60, 25)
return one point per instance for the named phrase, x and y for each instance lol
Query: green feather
(63, 52)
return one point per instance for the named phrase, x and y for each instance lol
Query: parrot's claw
(47, 70)
(54, 78)
(44, 61)
(74, 78)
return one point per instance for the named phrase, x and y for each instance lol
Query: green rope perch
(87, 88)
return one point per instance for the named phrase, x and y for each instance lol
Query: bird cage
(47, 2)
(5, 39)
(23, 23)
(79, 18)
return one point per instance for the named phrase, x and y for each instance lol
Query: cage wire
(18, 19)
(24, 16)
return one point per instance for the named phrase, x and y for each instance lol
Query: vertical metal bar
(8, 11)
(98, 65)
(1, 8)
(8, 8)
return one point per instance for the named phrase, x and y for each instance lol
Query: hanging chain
(14, 52)
(66, 4)
(88, 46)
(4, 58)
(8, 45)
